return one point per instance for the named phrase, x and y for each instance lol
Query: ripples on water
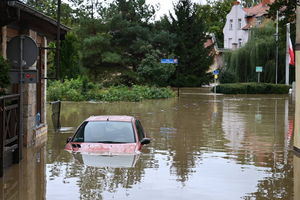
(203, 147)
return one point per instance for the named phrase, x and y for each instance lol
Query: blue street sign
(259, 69)
(216, 72)
(172, 61)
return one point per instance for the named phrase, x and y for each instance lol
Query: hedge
(252, 88)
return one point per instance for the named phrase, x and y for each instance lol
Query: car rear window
(106, 132)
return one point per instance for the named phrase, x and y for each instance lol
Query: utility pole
(287, 62)
(58, 41)
(276, 38)
(297, 69)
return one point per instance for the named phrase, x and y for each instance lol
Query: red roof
(259, 9)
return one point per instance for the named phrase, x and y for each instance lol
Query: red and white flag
(291, 53)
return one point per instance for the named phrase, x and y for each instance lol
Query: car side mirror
(145, 141)
(69, 139)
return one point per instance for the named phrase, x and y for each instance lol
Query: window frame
(139, 125)
(239, 23)
(231, 24)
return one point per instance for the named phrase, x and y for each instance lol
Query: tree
(49, 8)
(258, 51)
(4, 78)
(70, 60)
(153, 72)
(194, 57)
(214, 13)
(250, 3)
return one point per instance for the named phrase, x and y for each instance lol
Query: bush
(252, 88)
(128, 78)
(4, 78)
(81, 90)
(227, 77)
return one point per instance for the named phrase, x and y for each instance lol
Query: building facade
(16, 19)
(239, 22)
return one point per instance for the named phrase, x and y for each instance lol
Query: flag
(291, 53)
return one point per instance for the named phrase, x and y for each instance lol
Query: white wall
(236, 33)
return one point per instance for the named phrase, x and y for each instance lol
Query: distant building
(240, 20)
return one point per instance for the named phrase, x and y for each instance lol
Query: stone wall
(34, 95)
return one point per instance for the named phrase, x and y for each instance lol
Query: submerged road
(203, 147)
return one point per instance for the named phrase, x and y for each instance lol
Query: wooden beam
(4, 41)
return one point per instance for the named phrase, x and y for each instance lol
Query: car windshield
(105, 132)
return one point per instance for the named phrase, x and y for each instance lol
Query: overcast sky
(166, 5)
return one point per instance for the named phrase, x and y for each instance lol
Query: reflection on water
(114, 161)
(26, 181)
(203, 147)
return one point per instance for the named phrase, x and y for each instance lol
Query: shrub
(79, 90)
(227, 77)
(4, 78)
(252, 88)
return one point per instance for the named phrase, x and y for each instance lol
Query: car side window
(140, 130)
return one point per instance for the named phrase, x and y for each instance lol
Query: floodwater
(204, 146)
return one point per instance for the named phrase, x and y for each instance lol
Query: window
(239, 23)
(240, 42)
(107, 132)
(140, 130)
(230, 24)
(229, 43)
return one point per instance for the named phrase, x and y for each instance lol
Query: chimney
(235, 3)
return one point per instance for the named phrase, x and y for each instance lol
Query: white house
(240, 20)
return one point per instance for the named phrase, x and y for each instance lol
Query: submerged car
(113, 134)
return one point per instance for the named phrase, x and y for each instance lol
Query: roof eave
(26, 8)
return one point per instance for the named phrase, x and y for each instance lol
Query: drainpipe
(297, 66)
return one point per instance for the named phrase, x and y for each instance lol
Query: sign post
(215, 72)
(258, 69)
(172, 61)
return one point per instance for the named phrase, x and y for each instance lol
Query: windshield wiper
(111, 142)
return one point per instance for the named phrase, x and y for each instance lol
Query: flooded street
(202, 147)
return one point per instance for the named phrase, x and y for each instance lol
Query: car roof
(122, 118)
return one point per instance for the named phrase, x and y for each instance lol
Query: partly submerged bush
(80, 90)
(252, 88)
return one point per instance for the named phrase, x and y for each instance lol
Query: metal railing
(10, 133)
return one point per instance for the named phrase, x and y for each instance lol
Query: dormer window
(239, 23)
(230, 24)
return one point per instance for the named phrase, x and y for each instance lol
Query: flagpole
(287, 55)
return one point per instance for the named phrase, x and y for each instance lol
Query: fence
(10, 134)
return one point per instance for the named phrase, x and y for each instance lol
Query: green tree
(70, 59)
(214, 13)
(153, 71)
(258, 51)
(250, 3)
(49, 8)
(191, 35)
(4, 78)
